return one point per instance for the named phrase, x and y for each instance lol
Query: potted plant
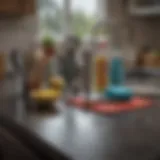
(48, 45)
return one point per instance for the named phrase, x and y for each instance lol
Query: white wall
(17, 33)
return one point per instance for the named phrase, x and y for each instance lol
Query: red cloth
(112, 107)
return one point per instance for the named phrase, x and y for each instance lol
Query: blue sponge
(118, 93)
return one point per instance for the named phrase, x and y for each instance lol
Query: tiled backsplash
(17, 33)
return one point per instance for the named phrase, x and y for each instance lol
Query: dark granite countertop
(85, 135)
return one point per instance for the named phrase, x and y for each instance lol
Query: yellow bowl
(45, 95)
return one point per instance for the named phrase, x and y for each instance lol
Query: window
(50, 17)
(83, 16)
(58, 17)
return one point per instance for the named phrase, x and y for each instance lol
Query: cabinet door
(10, 6)
(29, 6)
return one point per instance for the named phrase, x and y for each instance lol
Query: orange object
(2, 65)
(101, 72)
(158, 61)
(49, 51)
(150, 60)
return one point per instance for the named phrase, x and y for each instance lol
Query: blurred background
(41, 39)
(126, 28)
(51, 49)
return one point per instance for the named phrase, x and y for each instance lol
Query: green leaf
(48, 41)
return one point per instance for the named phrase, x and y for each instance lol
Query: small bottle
(101, 67)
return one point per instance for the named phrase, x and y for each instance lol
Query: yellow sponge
(57, 83)
(45, 95)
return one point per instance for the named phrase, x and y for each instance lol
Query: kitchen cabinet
(10, 7)
(29, 6)
(16, 7)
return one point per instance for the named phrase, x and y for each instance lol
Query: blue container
(116, 90)
(117, 73)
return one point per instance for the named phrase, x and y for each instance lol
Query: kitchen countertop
(85, 135)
